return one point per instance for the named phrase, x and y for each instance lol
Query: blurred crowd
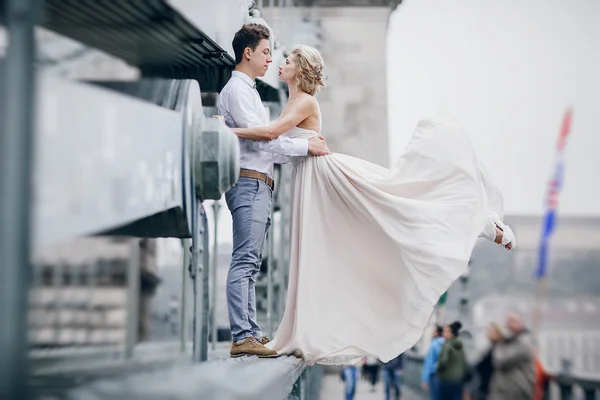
(372, 370)
(509, 368)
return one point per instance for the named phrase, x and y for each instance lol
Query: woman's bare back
(312, 122)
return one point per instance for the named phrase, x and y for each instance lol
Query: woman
(402, 234)
(452, 365)
(484, 367)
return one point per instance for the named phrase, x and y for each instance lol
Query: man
(350, 377)
(513, 362)
(429, 381)
(391, 377)
(250, 199)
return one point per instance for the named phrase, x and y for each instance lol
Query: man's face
(260, 58)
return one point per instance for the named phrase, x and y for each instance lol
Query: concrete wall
(353, 45)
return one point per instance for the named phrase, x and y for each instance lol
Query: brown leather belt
(248, 173)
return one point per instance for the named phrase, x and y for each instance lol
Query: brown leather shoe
(251, 347)
(264, 340)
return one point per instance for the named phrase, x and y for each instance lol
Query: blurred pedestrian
(484, 368)
(452, 367)
(392, 371)
(371, 370)
(350, 375)
(513, 363)
(429, 381)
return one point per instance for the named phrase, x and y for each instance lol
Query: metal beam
(147, 34)
(124, 160)
(131, 164)
(16, 144)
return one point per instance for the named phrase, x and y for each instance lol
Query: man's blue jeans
(250, 204)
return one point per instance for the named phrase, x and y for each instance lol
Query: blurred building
(79, 291)
(352, 37)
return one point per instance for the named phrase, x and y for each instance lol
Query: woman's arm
(304, 109)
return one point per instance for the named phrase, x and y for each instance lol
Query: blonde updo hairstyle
(309, 64)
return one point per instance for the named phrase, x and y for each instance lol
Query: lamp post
(464, 312)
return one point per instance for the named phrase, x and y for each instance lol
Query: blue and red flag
(554, 187)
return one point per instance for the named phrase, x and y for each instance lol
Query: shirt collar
(245, 78)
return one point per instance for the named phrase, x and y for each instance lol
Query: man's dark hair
(249, 36)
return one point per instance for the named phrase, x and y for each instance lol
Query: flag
(442, 299)
(554, 186)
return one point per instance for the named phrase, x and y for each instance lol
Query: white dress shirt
(241, 106)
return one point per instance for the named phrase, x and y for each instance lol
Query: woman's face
(447, 332)
(287, 72)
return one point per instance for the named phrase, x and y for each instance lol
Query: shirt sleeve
(284, 146)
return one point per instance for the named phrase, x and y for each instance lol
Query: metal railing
(274, 3)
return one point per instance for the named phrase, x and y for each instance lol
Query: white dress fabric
(373, 249)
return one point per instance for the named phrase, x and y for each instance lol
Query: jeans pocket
(261, 205)
(243, 194)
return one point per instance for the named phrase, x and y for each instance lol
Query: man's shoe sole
(252, 355)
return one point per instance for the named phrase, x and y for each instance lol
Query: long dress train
(373, 249)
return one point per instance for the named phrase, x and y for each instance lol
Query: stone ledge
(246, 378)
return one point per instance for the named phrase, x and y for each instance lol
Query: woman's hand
(318, 147)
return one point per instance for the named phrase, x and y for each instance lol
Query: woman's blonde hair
(309, 64)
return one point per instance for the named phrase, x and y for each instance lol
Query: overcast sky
(508, 70)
